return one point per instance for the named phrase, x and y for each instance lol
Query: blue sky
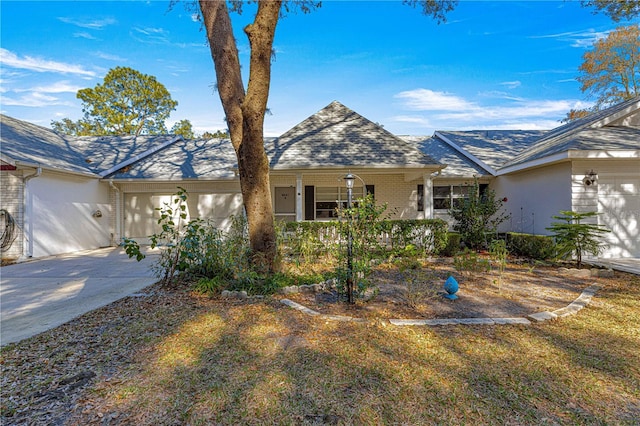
(493, 65)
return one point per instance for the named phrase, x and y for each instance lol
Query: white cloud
(449, 111)
(84, 34)
(33, 100)
(10, 59)
(57, 87)
(511, 84)
(581, 39)
(95, 24)
(110, 57)
(428, 100)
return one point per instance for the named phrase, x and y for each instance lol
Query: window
(327, 200)
(444, 197)
(420, 198)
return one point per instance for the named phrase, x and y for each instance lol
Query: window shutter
(309, 202)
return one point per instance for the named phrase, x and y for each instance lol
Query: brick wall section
(12, 201)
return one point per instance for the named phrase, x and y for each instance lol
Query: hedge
(427, 234)
(539, 247)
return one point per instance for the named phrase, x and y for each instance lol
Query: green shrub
(478, 217)
(210, 285)
(468, 261)
(453, 244)
(575, 238)
(537, 247)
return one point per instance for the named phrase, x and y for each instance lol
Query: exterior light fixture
(349, 179)
(590, 178)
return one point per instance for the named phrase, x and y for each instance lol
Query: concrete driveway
(38, 295)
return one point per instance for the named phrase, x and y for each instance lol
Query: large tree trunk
(245, 113)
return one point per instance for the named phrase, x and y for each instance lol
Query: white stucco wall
(534, 197)
(58, 214)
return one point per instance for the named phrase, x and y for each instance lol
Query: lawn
(173, 357)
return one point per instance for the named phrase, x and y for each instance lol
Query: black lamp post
(349, 180)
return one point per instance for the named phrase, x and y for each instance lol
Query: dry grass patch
(175, 358)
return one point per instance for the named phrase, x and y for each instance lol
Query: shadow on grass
(265, 364)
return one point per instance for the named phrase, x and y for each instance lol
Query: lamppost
(349, 180)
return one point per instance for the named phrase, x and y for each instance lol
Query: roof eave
(556, 158)
(605, 154)
(54, 169)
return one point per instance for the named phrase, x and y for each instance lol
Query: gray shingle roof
(190, 159)
(29, 143)
(458, 166)
(589, 133)
(493, 147)
(336, 136)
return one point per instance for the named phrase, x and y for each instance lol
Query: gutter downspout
(118, 234)
(27, 249)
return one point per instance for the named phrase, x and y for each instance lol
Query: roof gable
(336, 136)
(614, 128)
(490, 149)
(28, 143)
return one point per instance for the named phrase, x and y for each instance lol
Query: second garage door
(141, 214)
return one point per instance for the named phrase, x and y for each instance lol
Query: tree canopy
(615, 9)
(126, 103)
(183, 128)
(610, 72)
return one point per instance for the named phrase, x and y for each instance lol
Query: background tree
(183, 128)
(245, 110)
(615, 9)
(126, 103)
(222, 134)
(610, 72)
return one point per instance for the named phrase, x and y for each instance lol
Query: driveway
(39, 295)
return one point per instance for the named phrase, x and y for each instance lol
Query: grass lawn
(173, 358)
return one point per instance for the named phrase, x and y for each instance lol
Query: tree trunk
(245, 113)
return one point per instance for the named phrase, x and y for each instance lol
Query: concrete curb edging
(583, 300)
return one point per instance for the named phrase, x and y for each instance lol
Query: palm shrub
(575, 238)
(479, 215)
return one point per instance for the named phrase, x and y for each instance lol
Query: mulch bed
(398, 292)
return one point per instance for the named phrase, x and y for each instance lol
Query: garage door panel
(619, 208)
(142, 211)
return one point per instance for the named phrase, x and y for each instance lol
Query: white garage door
(141, 216)
(619, 208)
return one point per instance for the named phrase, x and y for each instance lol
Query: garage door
(141, 214)
(619, 208)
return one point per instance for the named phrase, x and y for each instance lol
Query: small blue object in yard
(451, 287)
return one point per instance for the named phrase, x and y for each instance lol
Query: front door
(285, 203)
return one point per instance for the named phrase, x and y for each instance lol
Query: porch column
(299, 197)
(427, 197)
